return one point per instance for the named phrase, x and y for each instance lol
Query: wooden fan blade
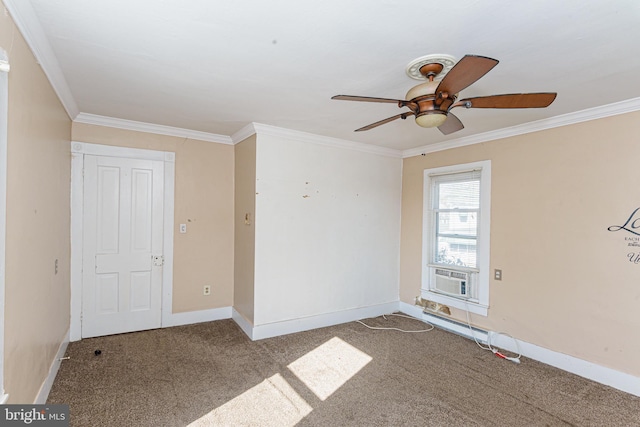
(387, 120)
(451, 125)
(514, 100)
(467, 71)
(366, 99)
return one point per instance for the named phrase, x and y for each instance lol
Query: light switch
(183, 228)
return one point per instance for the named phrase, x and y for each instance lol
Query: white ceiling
(217, 66)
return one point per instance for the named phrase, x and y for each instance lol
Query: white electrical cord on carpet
(489, 347)
(501, 355)
(384, 316)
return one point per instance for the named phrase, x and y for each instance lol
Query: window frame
(479, 304)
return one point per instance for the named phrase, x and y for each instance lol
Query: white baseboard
(190, 317)
(601, 374)
(244, 323)
(285, 327)
(616, 379)
(43, 394)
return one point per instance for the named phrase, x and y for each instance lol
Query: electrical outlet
(497, 274)
(206, 290)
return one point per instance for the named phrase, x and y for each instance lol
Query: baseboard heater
(456, 327)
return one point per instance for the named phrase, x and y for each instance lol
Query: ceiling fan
(431, 102)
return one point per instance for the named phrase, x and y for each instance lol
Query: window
(456, 236)
(455, 208)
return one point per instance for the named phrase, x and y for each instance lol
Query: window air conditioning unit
(452, 282)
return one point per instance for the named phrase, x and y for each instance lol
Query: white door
(122, 245)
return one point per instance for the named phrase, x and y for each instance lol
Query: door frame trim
(4, 140)
(78, 151)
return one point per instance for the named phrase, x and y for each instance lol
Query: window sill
(471, 307)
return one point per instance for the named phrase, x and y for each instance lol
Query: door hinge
(158, 260)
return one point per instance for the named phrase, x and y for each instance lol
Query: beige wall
(568, 284)
(203, 201)
(245, 234)
(38, 192)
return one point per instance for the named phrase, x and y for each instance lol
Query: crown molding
(243, 133)
(608, 110)
(92, 119)
(25, 18)
(258, 128)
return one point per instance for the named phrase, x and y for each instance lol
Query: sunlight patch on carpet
(326, 368)
(271, 403)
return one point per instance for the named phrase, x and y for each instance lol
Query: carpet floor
(211, 374)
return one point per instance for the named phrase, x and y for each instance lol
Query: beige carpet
(211, 374)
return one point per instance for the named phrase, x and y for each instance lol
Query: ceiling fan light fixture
(431, 119)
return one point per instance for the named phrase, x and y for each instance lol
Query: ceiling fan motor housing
(429, 110)
(423, 89)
